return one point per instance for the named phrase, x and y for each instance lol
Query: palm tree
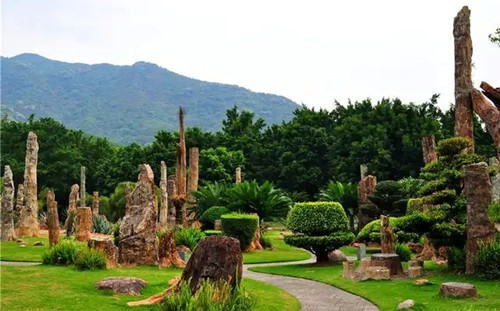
(344, 193)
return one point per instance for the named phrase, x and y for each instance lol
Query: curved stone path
(313, 296)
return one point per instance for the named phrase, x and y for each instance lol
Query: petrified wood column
(172, 192)
(28, 222)
(167, 252)
(429, 149)
(181, 157)
(365, 188)
(477, 188)
(463, 80)
(71, 212)
(52, 219)
(95, 204)
(489, 113)
(19, 203)
(238, 175)
(386, 236)
(194, 155)
(138, 244)
(82, 187)
(164, 195)
(7, 221)
(83, 223)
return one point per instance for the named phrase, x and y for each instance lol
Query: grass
(388, 294)
(351, 251)
(281, 252)
(65, 288)
(12, 251)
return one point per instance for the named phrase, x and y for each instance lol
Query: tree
(344, 193)
(219, 164)
(495, 37)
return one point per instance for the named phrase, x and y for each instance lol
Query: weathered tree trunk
(181, 157)
(428, 252)
(95, 204)
(7, 230)
(28, 224)
(107, 247)
(52, 219)
(429, 149)
(492, 93)
(366, 187)
(463, 80)
(386, 236)
(477, 188)
(83, 223)
(74, 196)
(167, 251)
(490, 115)
(238, 175)
(19, 203)
(164, 195)
(172, 192)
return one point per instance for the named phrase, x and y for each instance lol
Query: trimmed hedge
(317, 218)
(326, 243)
(209, 217)
(440, 197)
(240, 226)
(212, 232)
(415, 205)
(452, 146)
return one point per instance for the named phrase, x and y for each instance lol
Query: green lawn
(65, 288)
(388, 294)
(281, 252)
(14, 252)
(351, 251)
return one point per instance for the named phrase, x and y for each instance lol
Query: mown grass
(13, 251)
(388, 294)
(65, 288)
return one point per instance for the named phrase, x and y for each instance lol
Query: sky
(313, 52)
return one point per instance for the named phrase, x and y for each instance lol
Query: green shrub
(448, 234)
(90, 259)
(101, 225)
(240, 226)
(212, 214)
(212, 232)
(317, 218)
(433, 186)
(494, 212)
(188, 237)
(208, 195)
(487, 263)
(493, 170)
(452, 146)
(320, 245)
(415, 205)
(405, 237)
(266, 242)
(410, 186)
(456, 259)
(440, 197)
(371, 227)
(210, 296)
(63, 253)
(403, 252)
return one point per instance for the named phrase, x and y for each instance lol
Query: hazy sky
(312, 52)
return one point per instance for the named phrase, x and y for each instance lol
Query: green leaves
(317, 218)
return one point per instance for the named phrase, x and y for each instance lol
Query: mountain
(124, 103)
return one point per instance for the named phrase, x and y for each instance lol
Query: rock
(172, 192)
(348, 271)
(109, 248)
(360, 251)
(22, 245)
(38, 243)
(167, 252)
(416, 263)
(336, 256)
(390, 261)
(214, 258)
(407, 304)
(193, 175)
(364, 264)
(19, 203)
(428, 251)
(365, 188)
(386, 236)
(422, 282)
(138, 244)
(52, 219)
(164, 194)
(27, 224)
(83, 223)
(122, 285)
(415, 247)
(456, 289)
(377, 273)
(19, 241)
(95, 204)
(74, 196)
(238, 175)
(414, 272)
(255, 245)
(83, 192)
(7, 214)
(441, 262)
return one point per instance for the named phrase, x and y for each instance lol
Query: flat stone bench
(456, 289)
(390, 261)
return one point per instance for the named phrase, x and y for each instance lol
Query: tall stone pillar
(52, 219)
(238, 175)
(19, 203)
(386, 236)
(82, 187)
(363, 170)
(7, 214)
(28, 222)
(172, 192)
(164, 195)
(366, 187)
(194, 155)
(83, 223)
(477, 188)
(181, 157)
(95, 204)
(74, 196)
(429, 149)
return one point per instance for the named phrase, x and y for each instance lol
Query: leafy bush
(212, 214)
(210, 194)
(448, 234)
(371, 227)
(403, 252)
(188, 237)
(117, 200)
(410, 186)
(240, 226)
(90, 259)
(266, 242)
(210, 296)
(389, 198)
(101, 225)
(433, 186)
(344, 193)
(415, 205)
(405, 237)
(317, 218)
(320, 244)
(265, 200)
(456, 259)
(494, 212)
(63, 253)
(452, 146)
(212, 232)
(440, 197)
(487, 263)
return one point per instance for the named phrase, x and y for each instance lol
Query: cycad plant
(344, 193)
(265, 200)
(211, 194)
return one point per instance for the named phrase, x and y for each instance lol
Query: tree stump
(348, 272)
(456, 289)
(390, 261)
(167, 252)
(83, 223)
(109, 248)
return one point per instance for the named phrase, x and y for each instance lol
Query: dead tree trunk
(463, 80)
(490, 115)
(82, 187)
(429, 149)
(477, 188)
(95, 204)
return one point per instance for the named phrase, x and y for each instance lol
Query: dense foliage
(209, 217)
(487, 263)
(403, 252)
(90, 259)
(344, 193)
(188, 237)
(241, 227)
(64, 253)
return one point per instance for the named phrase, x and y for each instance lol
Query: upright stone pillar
(19, 203)
(164, 195)
(71, 212)
(363, 169)
(366, 187)
(52, 219)
(477, 188)
(127, 202)
(7, 221)
(138, 244)
(95, 204)
(172, 192)
(238, 175)
(82, 187)
(83, 223)
(181, 157)
(28, 222)
(386, 236)
(429, 149)
(194, 155)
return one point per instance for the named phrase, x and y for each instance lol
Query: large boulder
(138, 244)
(456, 289)
(122, 285)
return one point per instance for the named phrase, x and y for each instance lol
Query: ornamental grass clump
(64, 254)
(90, 259)
(319, 227)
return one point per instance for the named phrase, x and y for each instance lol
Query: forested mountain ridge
(124, 103)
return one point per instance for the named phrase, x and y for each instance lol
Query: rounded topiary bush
(317, 218)
(452, 146)
(209, 217)
(321, 227)
(240, 226)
